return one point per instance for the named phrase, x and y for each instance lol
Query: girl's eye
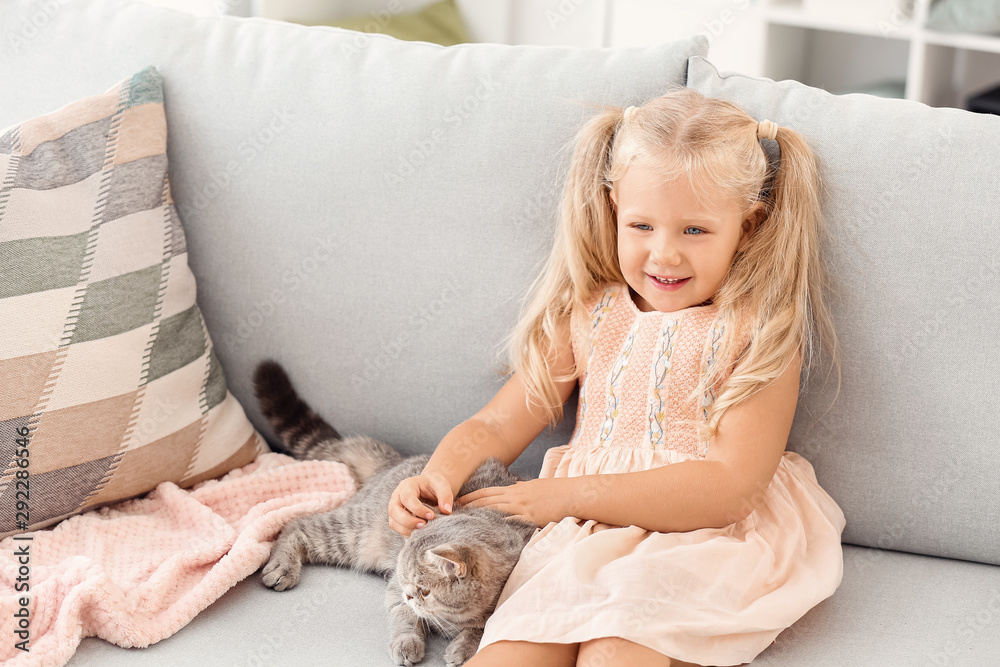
(642, 226)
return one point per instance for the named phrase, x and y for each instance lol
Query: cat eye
(424, 592)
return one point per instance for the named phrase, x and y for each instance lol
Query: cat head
(453, 570)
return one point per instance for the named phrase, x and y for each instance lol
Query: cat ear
(447, 560)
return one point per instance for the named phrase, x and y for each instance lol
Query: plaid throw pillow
(109, 383)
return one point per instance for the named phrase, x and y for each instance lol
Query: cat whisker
(443, 627)
(430, 622)
(447, 628)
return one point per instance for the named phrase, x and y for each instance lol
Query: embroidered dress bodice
(641, 369)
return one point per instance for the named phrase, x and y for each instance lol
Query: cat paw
(459, 652)
(407, 649)
(280, 574)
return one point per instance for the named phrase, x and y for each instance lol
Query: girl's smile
(669, 285)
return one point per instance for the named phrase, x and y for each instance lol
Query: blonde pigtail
(797, 197)
(573, 269)
(783, 255)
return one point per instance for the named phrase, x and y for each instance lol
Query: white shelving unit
(838, 45)
(852, 50)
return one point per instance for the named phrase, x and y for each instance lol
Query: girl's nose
(665, 255)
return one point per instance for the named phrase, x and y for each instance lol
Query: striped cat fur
(447, 575)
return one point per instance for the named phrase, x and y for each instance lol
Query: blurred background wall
(940, 52)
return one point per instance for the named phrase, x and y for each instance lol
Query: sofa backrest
(367, 211)
(909, 449)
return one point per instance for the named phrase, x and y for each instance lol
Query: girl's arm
(504, 428)
(715, 492)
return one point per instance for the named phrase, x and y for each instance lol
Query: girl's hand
(537, 501)
(407, 510)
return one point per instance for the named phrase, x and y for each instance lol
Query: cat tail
(306, 435)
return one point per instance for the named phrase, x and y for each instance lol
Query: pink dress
(714, 596)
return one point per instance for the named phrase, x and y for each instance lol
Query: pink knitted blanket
(138, 571)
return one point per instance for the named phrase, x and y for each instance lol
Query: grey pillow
(908, 449)
(981, 16)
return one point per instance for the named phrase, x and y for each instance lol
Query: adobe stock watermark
(249, 149)
(818, 434)
(31, 25)
(653, 596)
(883, 205)
(417, 322)
(930, 157)
(565, 9)
(471, 444)
(900, 15)
(316, 600)
(947, 477)
(536, 208)
(898, 186)
(378, 22)
(292, 280)
(453, 118)
(984, 618)
(161, 410)
(726, 17)
(970, 291)
(223, 7)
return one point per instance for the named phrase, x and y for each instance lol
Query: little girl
(682, 294)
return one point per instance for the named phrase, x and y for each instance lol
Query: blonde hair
(774, 287)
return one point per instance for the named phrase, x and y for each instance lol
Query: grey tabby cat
(447, 575)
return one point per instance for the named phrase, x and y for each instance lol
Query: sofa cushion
(365, 210)
(891, 609)
(908, 449)
(111, 384)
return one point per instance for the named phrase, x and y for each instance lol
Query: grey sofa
(369, 212)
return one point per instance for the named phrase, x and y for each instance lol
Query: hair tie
(767, 130)
(628, 113)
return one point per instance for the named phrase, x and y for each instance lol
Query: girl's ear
(751, 220)
(614, 202)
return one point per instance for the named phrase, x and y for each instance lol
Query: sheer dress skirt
(714, 596)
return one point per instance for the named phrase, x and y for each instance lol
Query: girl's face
(665, 233)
